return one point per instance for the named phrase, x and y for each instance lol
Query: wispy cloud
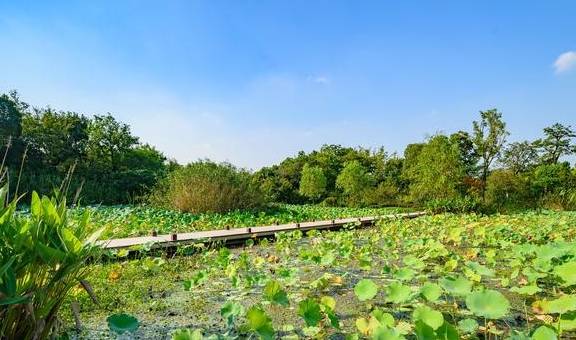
(565, 62)
(320, 79)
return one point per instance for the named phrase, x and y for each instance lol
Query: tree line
(462, 171)
(105, 162)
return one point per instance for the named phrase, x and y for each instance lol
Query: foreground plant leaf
(561, 305)
(230, 312)
(260, 323)
(469, 326)
(489, 304)
(567, 272)
(427, 315)
(187, 334)
(456, 286)
(431, 292)
(310, 311)
(273, 292)
(398, 293)
(365, 289)
(544, 333)
(122, 323)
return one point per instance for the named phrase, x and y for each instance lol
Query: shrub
(42, 258)
(506, 190)
(464, 204)
(205, 186)
(554, 185)
(548, 178)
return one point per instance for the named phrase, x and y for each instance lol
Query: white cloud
(565, 62)
(319, 79)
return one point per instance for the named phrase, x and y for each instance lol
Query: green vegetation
(435, 277)
(42, 146)
(462, 171)
(124, 221)
(205, 186)
(42, 259)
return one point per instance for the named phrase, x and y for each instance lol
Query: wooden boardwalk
(238, 235)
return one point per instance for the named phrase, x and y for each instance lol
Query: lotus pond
(433, 277)
(128, 220)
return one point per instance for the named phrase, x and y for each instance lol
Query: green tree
(438, 171)
(312, 182)
(56, 139)
(108, 142)
(556, 143)
(507, 190)
(354, 180)
(489, 136)
(468, 153)
(10, 130)
(520, 157)
(549, 178)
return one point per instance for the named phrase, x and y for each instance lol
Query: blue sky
(252, 82)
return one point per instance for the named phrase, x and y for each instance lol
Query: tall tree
(438, 171)
(468, 153)
(488, 137)
(354, 180)
(56, 139)
(519, 157)
(312, 182)
(557, 143)
(109, 141)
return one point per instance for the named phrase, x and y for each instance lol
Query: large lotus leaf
(385, 319)
(447, 332)
(365, 289)
(430, 317)
(567, 272)
(385, 333)
(431, 292)
(561, 305)
(398, 293)
(367, 326)
(544, 333)
(456, 286)
(469, 326)
(404, 274)
(489, 304)
(122, 323)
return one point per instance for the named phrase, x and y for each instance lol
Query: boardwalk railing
(237, 235)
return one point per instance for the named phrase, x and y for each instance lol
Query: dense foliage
(463, 170)
(205, 186)
(129, 220)
(434, 277)
(42, 259)
(458, 172)
(42, 146)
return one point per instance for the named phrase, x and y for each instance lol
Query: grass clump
(206, 186)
